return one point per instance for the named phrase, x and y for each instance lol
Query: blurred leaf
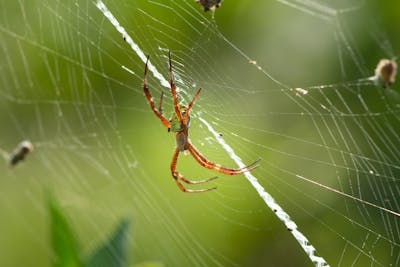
(149, 264)
(112, 253)
(63, 239)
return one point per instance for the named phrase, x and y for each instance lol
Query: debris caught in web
(20, 152)
(385, 72)
(210, 4)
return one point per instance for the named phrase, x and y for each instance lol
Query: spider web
(287, 81)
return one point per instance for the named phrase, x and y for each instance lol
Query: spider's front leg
(177, 176)
(173, 90)
(186, 116)
(158, 112)
(182, 118)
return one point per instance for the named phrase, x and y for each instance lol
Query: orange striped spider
(179, 125)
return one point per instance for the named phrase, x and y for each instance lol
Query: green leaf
(112, 253)
(63, 239)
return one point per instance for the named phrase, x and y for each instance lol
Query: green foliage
(63, 239)
(112, 253)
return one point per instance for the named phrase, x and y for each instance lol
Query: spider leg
(151, 102)
(177, 176)
(195, 182)
(203, 161)
(190, 105)
(160, 105)
(173, 91)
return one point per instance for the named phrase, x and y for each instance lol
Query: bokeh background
(72, 86)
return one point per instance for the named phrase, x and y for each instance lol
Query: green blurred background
(101, 151)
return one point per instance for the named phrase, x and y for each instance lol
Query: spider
(179, 125)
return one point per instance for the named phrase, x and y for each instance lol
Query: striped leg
(160, 105)
(213, 166)
(190, 105)
(173, 91)
(177, 176)
(151, 102)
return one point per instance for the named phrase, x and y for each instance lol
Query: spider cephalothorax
(176, 125)
(179, 125)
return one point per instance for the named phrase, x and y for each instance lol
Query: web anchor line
(268, 199)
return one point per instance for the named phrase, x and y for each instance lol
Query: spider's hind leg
(179, 177)
(195, 182)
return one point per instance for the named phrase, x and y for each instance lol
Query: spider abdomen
(181, 140)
